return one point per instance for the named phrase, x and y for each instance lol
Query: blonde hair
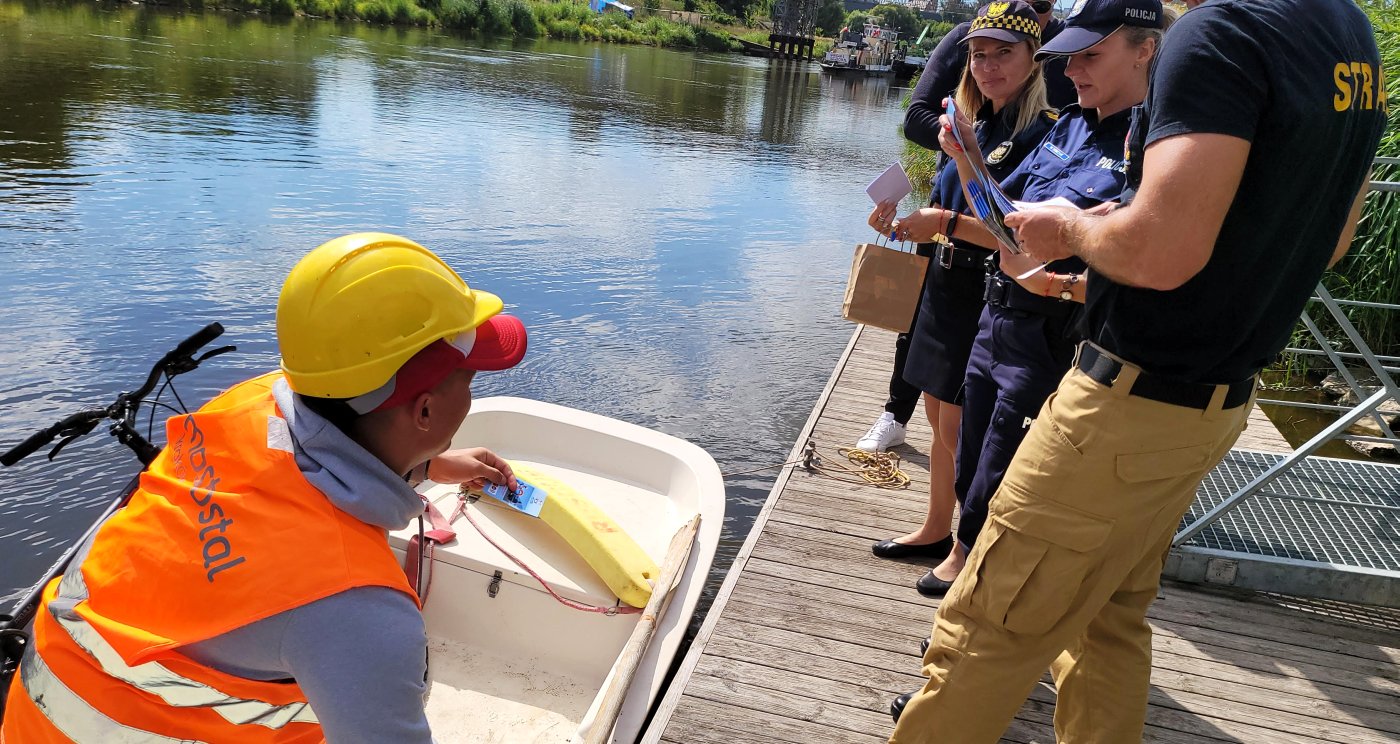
(1028, 104)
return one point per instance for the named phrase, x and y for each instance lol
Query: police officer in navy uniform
(1003, 85)
(939, 80)
(1026, 335)
(1192, 288)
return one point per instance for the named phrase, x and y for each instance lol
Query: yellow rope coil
(879, 469)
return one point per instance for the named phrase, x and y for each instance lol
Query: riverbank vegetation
(556, 19)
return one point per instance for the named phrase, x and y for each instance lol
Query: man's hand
(474, 467)
(1046, 232)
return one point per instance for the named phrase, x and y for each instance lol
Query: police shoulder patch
(1000, 153)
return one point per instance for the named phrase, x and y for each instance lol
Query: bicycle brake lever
(70, 434)
(214, 353)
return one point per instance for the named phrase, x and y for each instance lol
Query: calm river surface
(674, 228)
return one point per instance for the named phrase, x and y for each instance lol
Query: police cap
(1092, 21)
(1010, 21)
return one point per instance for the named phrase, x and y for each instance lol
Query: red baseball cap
(497, 344)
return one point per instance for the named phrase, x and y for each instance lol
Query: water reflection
(674, 228)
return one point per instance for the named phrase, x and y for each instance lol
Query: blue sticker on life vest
(526, 499)
(1058, 152)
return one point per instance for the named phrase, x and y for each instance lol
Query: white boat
(507, 661)
(867, 52)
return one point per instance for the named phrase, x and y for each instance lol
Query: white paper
(892, 185)
(1058, 201)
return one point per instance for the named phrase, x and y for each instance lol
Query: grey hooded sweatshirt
(360, 655)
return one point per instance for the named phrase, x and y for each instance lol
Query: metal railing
(1381, 367)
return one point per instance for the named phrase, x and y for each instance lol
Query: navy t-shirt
(945, 68)
(1002, 151)
(1301, 81)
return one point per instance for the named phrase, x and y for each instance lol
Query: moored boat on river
(869, 52)
(509, 660)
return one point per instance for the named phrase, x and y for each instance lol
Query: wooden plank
(811, 636)
(917, 609)
(854, 584)
(728, 643)
(680, 680)
(1282, 707)
(703, 712)
(795, 551)
(842, 723)
(1253, 620)
(700, 721)
(1267, 654)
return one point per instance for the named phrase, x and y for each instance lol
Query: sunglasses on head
(1042, 6)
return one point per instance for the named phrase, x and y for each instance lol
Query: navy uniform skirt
(941, 341)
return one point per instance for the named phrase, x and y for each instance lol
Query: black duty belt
(953, 257)
(1003, 291)
(1099, 366)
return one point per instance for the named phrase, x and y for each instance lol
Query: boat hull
(508, 662)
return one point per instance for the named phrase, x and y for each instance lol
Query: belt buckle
(994, 292)
(945, 255)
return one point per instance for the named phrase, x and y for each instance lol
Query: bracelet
(944, 229)
(952, 224)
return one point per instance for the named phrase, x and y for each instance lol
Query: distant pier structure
(794, 29)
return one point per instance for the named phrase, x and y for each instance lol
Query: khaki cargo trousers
(1064, 569)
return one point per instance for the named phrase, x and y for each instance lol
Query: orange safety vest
(223, 531)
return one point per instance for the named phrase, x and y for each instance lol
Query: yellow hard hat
(353, 310)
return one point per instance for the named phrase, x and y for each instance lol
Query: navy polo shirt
(1081, 159)
(1308, 97)
(1001, 149)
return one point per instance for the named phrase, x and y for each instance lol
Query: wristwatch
(1067, 286)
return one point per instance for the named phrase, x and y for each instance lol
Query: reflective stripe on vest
(154, 678)
(72, 715)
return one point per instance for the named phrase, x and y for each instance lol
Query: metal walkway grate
(1351, 515)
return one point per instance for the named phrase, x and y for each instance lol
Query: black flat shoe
(897, 707)
(932, 586)
(892, 549)
(923, 647)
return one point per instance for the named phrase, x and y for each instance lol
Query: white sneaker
(884, 434)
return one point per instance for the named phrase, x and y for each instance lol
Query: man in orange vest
(247, 592)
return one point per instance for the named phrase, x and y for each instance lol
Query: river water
(674, 228)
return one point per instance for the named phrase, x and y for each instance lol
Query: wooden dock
(810, 636)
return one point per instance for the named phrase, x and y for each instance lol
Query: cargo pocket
(1141, 467)
(1036, 557)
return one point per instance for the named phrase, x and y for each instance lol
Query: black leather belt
(952, 257)
(1003, 291)
(1099, 366)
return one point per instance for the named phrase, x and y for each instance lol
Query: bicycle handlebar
(176, 361)
(29, 446)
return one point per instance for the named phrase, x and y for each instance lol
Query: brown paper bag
(884, 287)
